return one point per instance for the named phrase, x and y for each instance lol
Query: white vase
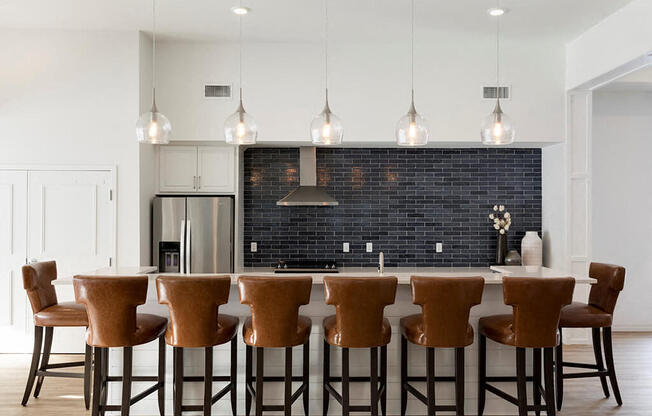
(532, 249)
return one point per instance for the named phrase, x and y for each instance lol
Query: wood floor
(633, 356)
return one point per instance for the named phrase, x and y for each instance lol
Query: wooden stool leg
(559, 370)
(306, 377)
(609, 356)
(127, 368)
(430, 379)
(178, 380)
(45, 359)
(521, 383)
(550, 384)
(374, 381)
(459, 381)
(88, 361)
(482, 374)
(234, 376)
(248, 378)
(536, 379)
(208, 380)
(105, 383)
(326, 377)
(383, 379)
(597, 352)
(345, 382)
(36, 355)
(161, 375)
(260, 364)
(97, 381)
(404, 374)
(287, 397)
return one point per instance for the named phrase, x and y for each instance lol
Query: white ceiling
(640, 80)
(301, 20)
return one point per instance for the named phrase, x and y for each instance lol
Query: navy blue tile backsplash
(404, 201)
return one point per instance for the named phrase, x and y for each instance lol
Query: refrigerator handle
(188, 247)
(182, 248)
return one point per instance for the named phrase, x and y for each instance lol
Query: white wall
(554, 197)
(71, 98)
(369, 86)
(147, 154)
(622, 198)
(618, 39)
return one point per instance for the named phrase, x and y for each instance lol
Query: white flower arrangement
(501, 218)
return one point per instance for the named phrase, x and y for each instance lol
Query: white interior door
(70, 220)
(14, 310)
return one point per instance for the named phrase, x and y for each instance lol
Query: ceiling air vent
(491, 93)
(217, 91)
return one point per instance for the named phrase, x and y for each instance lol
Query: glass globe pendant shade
(326, 128)
(412, 129)
(240, 128)
(497, 129)
(153, 127)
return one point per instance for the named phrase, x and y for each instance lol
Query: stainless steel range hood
(308, 193)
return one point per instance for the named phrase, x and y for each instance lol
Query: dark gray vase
(501, 249)
(512, 258)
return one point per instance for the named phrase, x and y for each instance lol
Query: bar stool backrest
(611, 281)
(537, 304)
(274, 303)
(445, 307)
(111, 303)
(37, 281)
(193, 303)
(359, 306)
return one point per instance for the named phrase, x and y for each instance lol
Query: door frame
(113, 171)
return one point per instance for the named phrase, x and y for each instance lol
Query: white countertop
(493, 275)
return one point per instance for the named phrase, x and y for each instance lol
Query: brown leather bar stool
(111, 304)
(537, 304)
(358, 323)
(275, 323)
(443, 323)
(48, 313)
(597, 314)
(195, 322)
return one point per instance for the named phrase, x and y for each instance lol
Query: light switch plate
(370, 247)
(439, 247)
(254, 247)
(345, 247)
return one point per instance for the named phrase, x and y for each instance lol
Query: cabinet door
(15, 313)
(178, 168)
(70, 216)
(216, 169)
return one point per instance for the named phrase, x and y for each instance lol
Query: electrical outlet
(370, 247)
(345, 247)
(439, 247)
(254, 247)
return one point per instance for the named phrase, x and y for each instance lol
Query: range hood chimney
(308, 193)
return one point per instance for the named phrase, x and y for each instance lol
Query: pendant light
(411, 129)
(153, 127)
(240, 127)
(497, 129)
(326, 128)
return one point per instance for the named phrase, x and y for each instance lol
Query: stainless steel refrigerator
(192, 234)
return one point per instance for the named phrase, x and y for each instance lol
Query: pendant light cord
(240, 54)
(326, 45)
(154, 53)
(412, 49)
(498, 53)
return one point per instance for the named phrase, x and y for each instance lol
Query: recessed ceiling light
(495, 12)
(240, 10)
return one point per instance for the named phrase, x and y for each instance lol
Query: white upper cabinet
(215, 169)
(178, 168)
(190, 169)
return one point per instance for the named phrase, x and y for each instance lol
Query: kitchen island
(501, 360)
